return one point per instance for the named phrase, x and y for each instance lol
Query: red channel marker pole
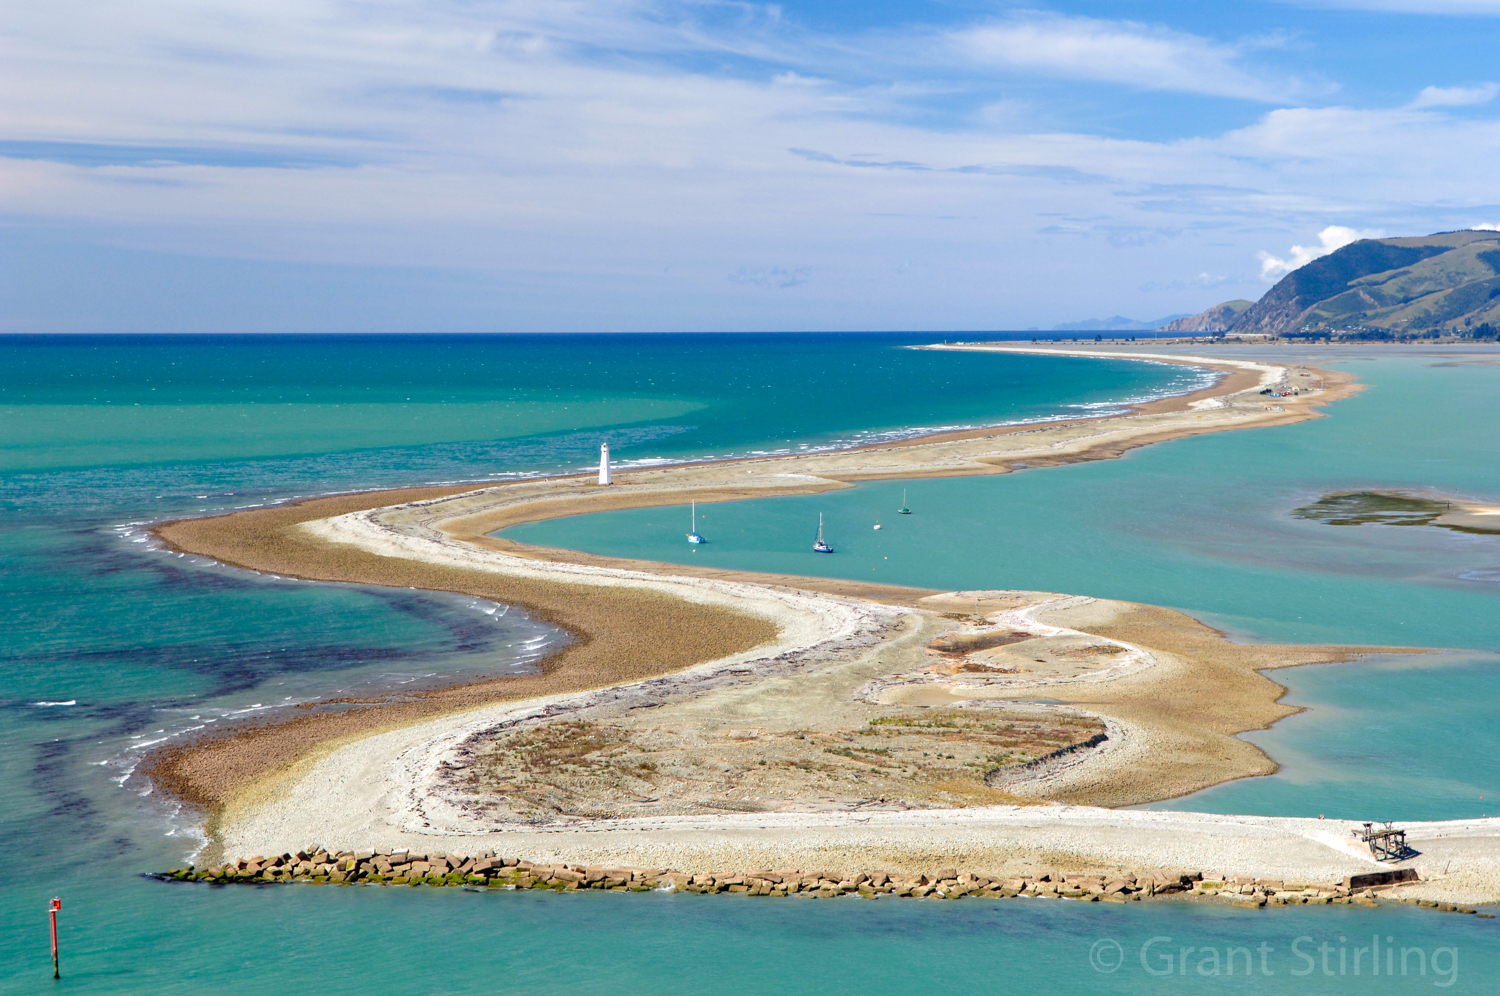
(52, 910)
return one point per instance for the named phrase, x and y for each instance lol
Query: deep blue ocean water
(108, 646)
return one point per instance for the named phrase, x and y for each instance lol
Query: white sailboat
(819, 546)
(693, 536)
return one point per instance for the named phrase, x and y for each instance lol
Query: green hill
(1381, 288)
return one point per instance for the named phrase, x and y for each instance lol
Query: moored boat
(819, 546)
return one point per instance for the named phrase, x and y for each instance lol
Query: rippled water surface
(109, 646)
(1205, 524)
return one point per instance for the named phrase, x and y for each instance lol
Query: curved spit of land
(850, 719)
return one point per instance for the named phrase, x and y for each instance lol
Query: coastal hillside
(1219, 318)
(1444, 284)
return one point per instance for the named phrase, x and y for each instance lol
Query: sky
(659, 165)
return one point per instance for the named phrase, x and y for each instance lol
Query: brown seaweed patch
(1374, 508)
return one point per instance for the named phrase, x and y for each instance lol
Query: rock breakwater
(489, 871)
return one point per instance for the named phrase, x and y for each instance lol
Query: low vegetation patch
(904, 760)
(1378, 508)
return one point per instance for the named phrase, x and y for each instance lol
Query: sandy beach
(700, 713)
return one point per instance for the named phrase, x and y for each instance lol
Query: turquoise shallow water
(1203, 524)
(99, 433)
(428, 941)
(1400, 738)
(415, 407)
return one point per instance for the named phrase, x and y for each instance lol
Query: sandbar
(796, 662)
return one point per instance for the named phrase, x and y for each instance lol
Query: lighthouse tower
(604, 464)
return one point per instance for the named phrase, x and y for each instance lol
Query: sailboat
(819, 546)
(693, 536)
(904, 510)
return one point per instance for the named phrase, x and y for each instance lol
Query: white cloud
(1455, 96)
(1203, 281)
(775, 276)
(551, 144)
(1459, 7)
(1331, 238)
(1140, 55)
(790, 78)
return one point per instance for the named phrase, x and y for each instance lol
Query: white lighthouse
(604, 464)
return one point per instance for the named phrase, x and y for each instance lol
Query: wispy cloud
(858, 162)
(1139, 55)
(1050, 171)
(1455, 96)
(1202, 281)
(1449, 7)
(775, 276)
(123, 154)
(641, 146)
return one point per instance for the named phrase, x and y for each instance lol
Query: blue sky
(471, 165)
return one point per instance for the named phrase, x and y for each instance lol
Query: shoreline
(488, 870)
(263, 540)
(439, 536)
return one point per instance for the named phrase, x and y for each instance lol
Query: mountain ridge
(1411, 286)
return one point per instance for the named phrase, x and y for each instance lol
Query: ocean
(110, 646)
